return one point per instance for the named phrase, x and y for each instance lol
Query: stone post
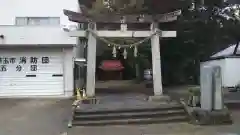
(156, 61)
(206, 88)
(217, 89)
(91, 62)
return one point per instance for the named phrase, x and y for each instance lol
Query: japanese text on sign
(21, 61)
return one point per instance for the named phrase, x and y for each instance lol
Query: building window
(37, 21)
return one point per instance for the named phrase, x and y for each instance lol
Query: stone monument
(212, 110)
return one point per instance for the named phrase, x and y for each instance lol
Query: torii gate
(123, 33)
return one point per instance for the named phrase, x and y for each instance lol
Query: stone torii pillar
(156, 61)
(91, 61)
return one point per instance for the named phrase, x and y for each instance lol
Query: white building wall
(10, 9)
(68, 71)
(35, 35)
(68, 63)
(35, 8)
(230, 70)
(232, 77)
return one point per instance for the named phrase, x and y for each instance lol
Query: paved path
(33, 117)
(50, 117)
(161, 129)
(158, 129)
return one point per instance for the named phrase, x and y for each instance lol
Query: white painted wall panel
(10, 9)
(35, 8)
(13, 82)
(232, 71)
(68, 62)
(35, 35)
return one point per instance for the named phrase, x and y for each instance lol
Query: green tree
(203, 31)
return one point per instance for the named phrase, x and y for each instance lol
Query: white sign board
(20, 63)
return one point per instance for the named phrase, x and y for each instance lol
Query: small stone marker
(217, 89)
(206, 88)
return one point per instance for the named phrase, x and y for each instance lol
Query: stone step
(131, 121)
(107, 110)
(129, 115)
(234, 105)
